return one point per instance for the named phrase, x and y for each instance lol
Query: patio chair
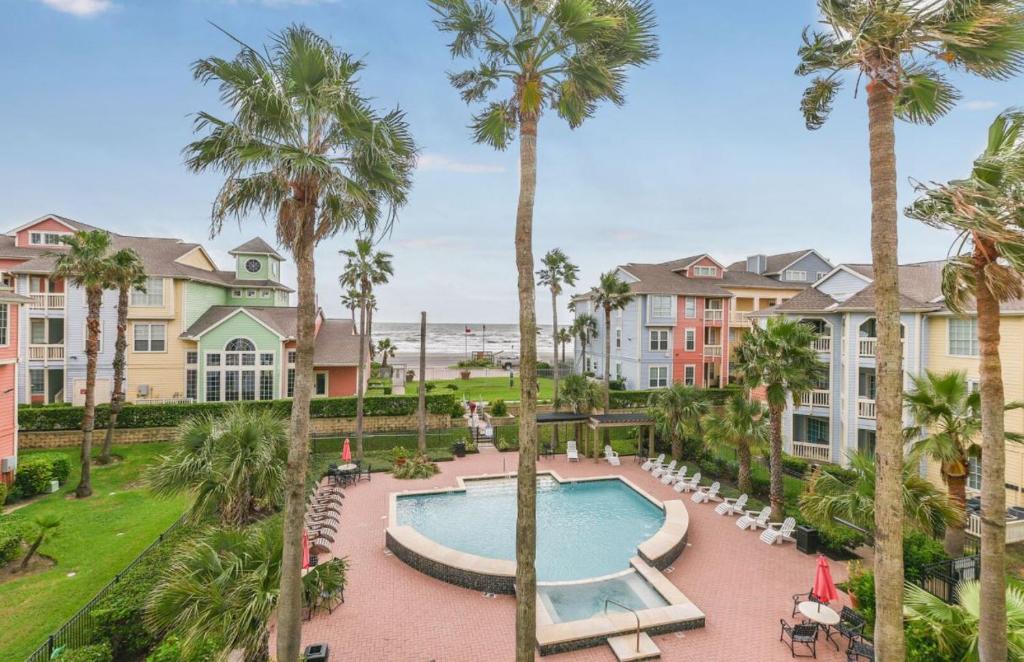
(860, 650)
(706, 494)
(687, 484)
(732, 507)
(805, 597)
(805, 635)
(653, 462)
(754, 520)
(571, 454)
(784, 533)
(363, 474)
(611, 456)
(662, 470)
(670, 477)
(851, 625)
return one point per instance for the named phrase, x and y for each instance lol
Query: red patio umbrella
(824, 587)
(305, 550)
(346, 451)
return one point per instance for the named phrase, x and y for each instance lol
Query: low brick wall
(68, 438)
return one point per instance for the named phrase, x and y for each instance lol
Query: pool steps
(625, 649)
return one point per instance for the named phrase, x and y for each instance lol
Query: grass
(97, 538)
(623, 440)
(490, 389)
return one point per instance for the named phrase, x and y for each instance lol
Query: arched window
(240, 345)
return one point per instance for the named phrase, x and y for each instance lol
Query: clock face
(252, 266)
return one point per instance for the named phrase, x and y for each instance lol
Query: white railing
(712, 314)
(46, 301)
(865, 408)
(740, 317)
(866, 346)
(809, 451)
(1014, 529)
(816, 398)
(823, 344)
(713, 350)
(46, 352)
(164, 401)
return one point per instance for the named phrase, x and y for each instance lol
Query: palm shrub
(678, 412)
(45, 527)
(742, 424)
(418, 466)
(328, 578)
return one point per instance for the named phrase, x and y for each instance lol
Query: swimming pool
(584, 529)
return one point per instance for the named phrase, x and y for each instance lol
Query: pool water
(585, 529)
(572, 602)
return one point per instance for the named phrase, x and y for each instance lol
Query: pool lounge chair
(571, 454)
(687, 484)
(653, 463)
(670, 477)
(611, 456)
(754, 520)
(732, 507)
(784, 533)
(661, 471)
(705, 494)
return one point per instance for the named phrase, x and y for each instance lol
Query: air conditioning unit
(8, 464)
(143, 390)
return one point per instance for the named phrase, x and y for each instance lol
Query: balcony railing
(865, 408)
(1014, 528)
(713, 351)
(816, 398)
(812, 451)
(164, 401)
(740, 317)
(46, 352)
(47, 301)
(712, 314)
(866, 346)
(823, 344)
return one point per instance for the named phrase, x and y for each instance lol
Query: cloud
(82, 8)
(980, 104)
(442, 163)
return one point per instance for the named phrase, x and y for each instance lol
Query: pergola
(597, 423)
(557, 418)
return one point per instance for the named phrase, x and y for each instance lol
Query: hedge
(35, 472)
(638, 399)
(45, 419)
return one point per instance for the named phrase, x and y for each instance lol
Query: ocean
(453, 339)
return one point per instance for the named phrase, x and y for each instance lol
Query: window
(231, 385)
(618, 338)
(973, 473)
(657, 376)
(690, 340)
(213, 386)
(36, 237)
(236, 293)
(192, 383)
(151, 337)
(250, 294)
(240, 345)
(618, 371)
(963, 336)
(266, 385)
(213, 359)
(690, 308)
(659, 340)
(702, 270)
(253, 266)
(795, 274)
(820, 275)
(817, 430)
(290, 391)
(689, 375)
(248, 384)
(660, 306)
(266, 358)
(3, 324)
(37, 382)
(291, 356)
(973, 385)
(37, 331)
(265, 293)
(46, 238)
(153, 297)
(320, 383)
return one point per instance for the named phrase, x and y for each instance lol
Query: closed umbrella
(305, 550)
(824, 587)
(346, 451)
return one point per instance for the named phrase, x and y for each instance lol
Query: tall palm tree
(557, 271)
(365, 268)
(127, 273)
(564, 338)
(567, 56)
(386, 349)
(581, 395)
(897, 45)
(233, 465)
(678, 412)
(303, 146)
(611, 294)
(742, 424)
(86, 264)
(584, 329)
(779, 357)
(986, 211)
(350, 300)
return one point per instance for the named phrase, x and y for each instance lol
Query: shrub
(921, 644)
(617, 385)
(13, 531)
(452, 387)
(863, 587)
(3, 494)
(170, 650)
(34, 475)
(418, 467)
(387, 390)
(91, 653)
(837, 538)
(919, 550)
(845, 475)
(795, 465)
(499, 408)
(456, 410)
(503, 445)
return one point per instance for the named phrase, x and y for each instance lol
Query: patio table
(821, 615)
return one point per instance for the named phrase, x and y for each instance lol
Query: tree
(564, 338)
(557, 271)
(304, 147)
(678, 412)
(386, 350)
(584, 329)
(611, 294)
(890, 43)
(46, 527)
(582, 396)
(232, 464)
(742, 424)
(365, 268)
(567, 56)
(127, 273)
(779, 357)
(86, 264)
(986, 211)
(350, 300)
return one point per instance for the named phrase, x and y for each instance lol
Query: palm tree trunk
(607, 357)
(775, 491)
(360, 377)
(583, 357)
(289, 605)
(889, 360)
(992, 626)
(554, 337)
(526, 509)
(421, 391)
(743, 479)
(117, 397)
(369, 331)
(953, 541)
(94, 299)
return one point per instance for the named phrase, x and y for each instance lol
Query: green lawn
(489, 388)
(98, 537)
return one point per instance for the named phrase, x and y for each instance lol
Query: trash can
(807, 539)
(459, 448)
(316, 653)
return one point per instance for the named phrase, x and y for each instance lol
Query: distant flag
(468, 330)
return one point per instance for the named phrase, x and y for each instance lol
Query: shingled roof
(774, 264)
(256, 246)
(657, 279)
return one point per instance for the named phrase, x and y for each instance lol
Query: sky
(709, 154)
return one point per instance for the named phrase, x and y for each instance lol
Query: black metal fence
(940, 579)
(79, 629)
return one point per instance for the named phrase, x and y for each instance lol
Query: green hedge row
(638, 399)
(44, 419)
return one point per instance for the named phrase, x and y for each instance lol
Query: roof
(810, 300)
(255, 246)
(279, 319)
(628, 418)
(775, 264)
(560, 417)
(337, 344)
(750, 279)
(660, 279)
(11, 297)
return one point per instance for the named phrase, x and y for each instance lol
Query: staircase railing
(608, 601)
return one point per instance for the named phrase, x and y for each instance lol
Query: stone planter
(465, 374)
(497, 421)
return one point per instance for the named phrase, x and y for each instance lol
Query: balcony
(822, 344)
(816, 398)
(866, 346)
(713, 351)
(46, 352)
(812, 451)
(741, 317)
(47, 301)
(866, 408)
(712, 314)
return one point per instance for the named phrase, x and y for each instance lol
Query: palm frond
(925, 96)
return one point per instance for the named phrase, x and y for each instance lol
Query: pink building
(10, 309)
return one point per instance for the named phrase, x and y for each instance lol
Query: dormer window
(795, 274)
(705, 271)
(45, 238)
(252, 265)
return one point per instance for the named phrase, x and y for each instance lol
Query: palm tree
(581, 395)
(46, 527)
(742, 424)
(956, 627)
(563, 55)
(829, 497)
(303, 146)
(350, 300)
(564, 338)
(86, 264)
(365, 268)
(890, 43)
(127, 273)
(232, 464)
(386, 350)
(557, 271)
(584, 329)
(986, 211)
(780, 358)
(611, 294)
(678, 412)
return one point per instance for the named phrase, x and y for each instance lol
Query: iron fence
(79, 629)
(940, 579)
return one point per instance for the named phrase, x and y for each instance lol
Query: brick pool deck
(393, 613)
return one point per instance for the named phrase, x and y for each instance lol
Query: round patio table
(820, 614)
(348, 467)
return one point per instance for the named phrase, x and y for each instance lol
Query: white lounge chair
(732, 507)
(661, 471)
(670, 477)
(687, 484)
(611, 456)
(754, 520)
(653, 463)
(782, 534)
(571, 454)
(705, 494)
